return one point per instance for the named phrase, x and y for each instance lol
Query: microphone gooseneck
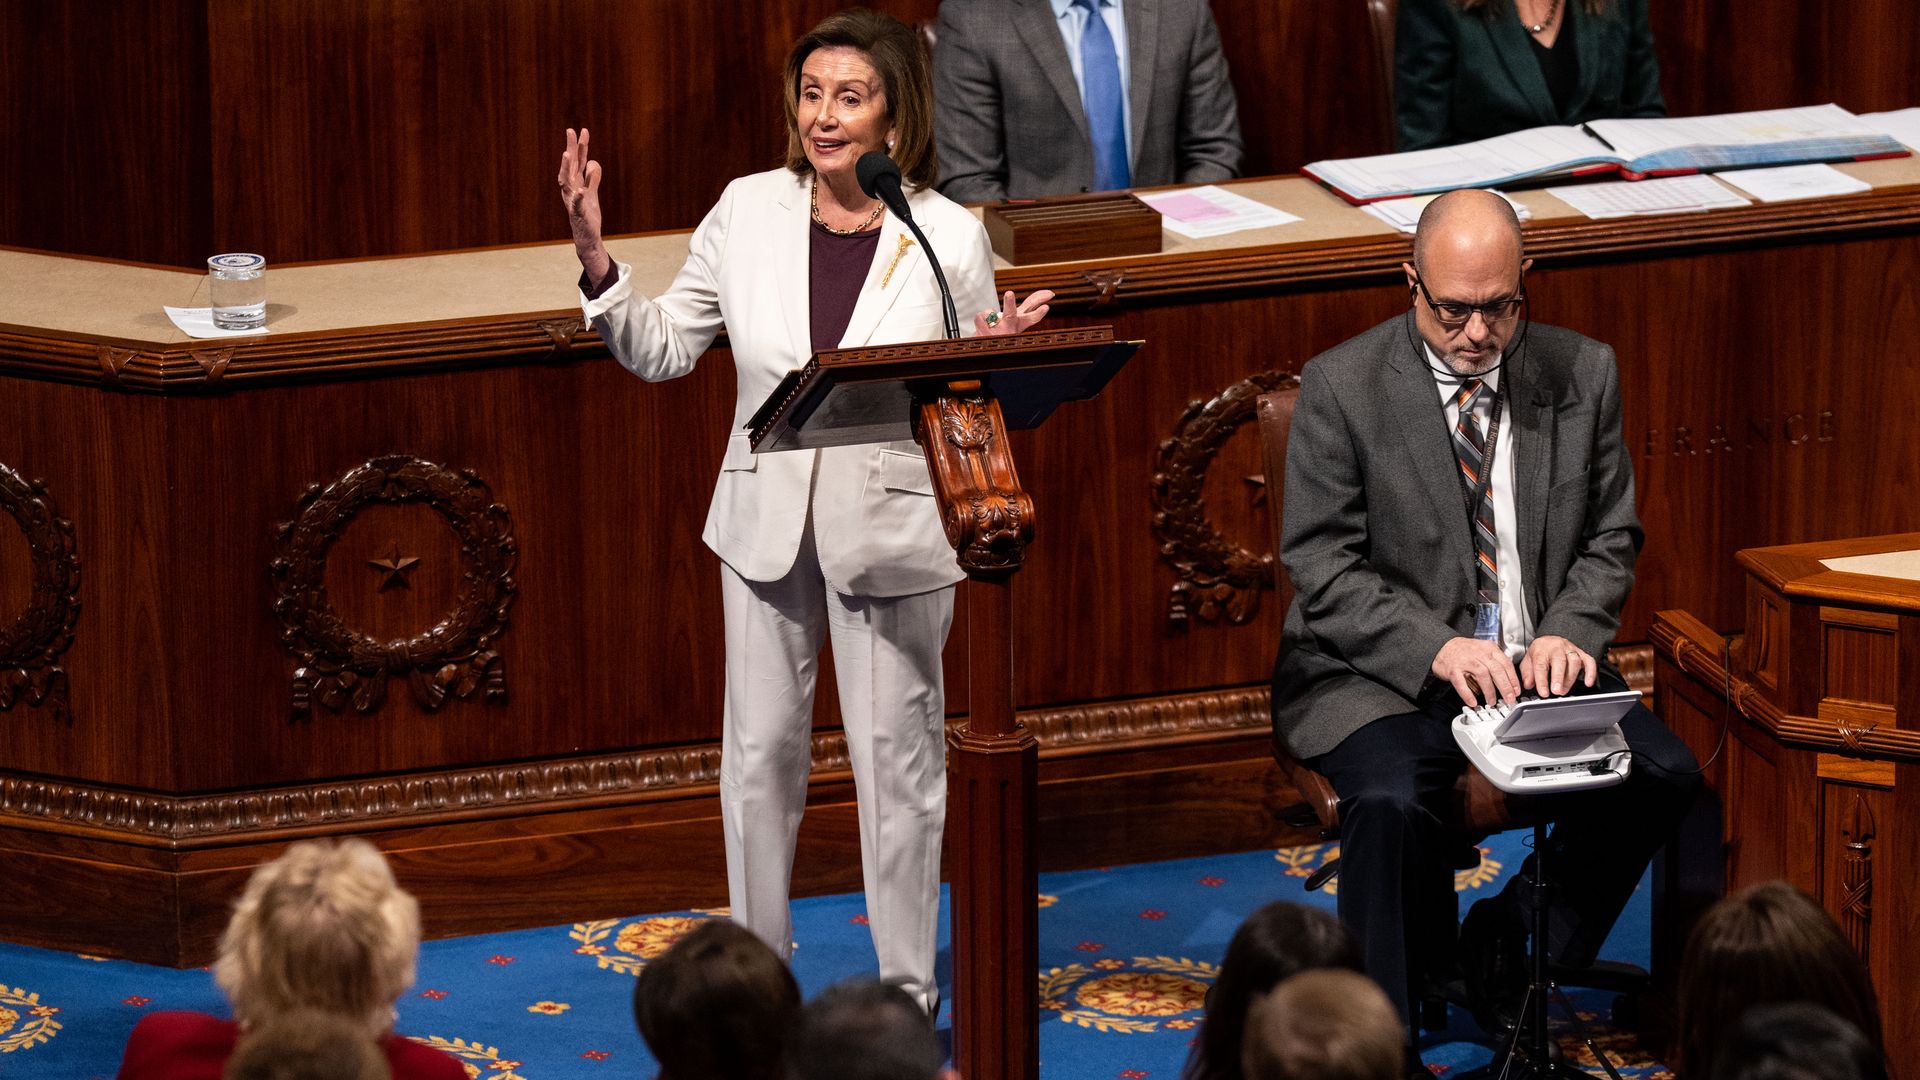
(879, 178)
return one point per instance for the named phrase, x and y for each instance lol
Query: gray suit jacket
(1008, 120)
(1375, 531)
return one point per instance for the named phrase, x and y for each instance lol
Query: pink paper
(1191, 208)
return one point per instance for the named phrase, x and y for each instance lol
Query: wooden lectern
(1816, 714)
(958, 399)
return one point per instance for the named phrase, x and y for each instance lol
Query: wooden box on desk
(1073, 227)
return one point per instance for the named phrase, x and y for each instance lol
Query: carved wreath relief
(339, 664)
(1216, 577)
(31, 644)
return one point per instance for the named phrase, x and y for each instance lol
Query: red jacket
(195, 1046)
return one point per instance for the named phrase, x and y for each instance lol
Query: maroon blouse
(836, 271)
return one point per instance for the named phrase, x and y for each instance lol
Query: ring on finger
(993, 318)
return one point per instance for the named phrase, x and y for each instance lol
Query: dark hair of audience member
(1764, 944)
(716, 1006)
(1324, 1025)
(863, 1029)
(1277, 941)
(307, 1044)
(1797, 1041)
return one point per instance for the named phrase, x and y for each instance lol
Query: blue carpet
(1126, 954)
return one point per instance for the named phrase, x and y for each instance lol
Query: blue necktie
(1100, 93)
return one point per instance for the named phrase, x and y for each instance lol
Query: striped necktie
(1470, 446)
(1100, 93)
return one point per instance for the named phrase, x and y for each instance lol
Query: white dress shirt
(1516, 626)
(1072, 20)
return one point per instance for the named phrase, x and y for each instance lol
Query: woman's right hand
(580, 190)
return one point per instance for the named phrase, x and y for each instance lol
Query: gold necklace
(857, 229)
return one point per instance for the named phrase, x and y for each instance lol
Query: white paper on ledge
(1666, 195)
(197, 322)
(1783, 183)
(1212, 211)
(1902, 124)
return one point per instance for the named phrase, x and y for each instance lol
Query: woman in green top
(1472, 69)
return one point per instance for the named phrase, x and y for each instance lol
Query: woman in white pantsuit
(841, 544)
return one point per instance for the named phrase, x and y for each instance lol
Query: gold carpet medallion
(635, 945)
(1479, 876)
(473, 1055)
(24, 1021)
(1130, 997)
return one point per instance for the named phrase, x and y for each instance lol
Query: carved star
(394, 569)
(1259, 489)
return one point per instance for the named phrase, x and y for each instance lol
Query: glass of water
(237, 287)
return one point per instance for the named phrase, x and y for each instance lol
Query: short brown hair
(1325, 1024)
(1767, 943)
(324, 926)
(906, 80)
(716, 1006)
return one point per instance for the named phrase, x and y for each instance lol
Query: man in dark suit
(1416, 592)
(1052, 97)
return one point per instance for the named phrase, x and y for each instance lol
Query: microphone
(879, 179)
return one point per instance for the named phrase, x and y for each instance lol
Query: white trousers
(886, 655)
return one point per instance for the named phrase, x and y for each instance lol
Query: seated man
(1053, 97)
(1446, 475)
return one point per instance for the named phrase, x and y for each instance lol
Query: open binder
(1633, 149)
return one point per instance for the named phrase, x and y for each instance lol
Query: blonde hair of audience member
(307, 1044)
(324, 926)
(1325, 1024)
(1764, 944)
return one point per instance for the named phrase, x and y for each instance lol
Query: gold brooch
(905, 243)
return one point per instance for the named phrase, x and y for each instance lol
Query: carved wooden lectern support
(958, 400)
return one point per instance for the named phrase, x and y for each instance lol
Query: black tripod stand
(1534, 1060)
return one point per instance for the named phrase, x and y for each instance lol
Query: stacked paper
(1629, 198)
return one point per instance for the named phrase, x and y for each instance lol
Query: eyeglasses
(1452, 313)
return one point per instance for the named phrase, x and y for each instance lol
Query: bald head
(1466, 255)
(1468, 221)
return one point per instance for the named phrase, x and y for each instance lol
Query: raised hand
(1013, 318)
(580, 191)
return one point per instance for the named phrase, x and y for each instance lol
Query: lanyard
(1483, 484)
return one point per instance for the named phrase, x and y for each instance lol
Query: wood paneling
(1306, 78)
(1726, 55)
(612, 862)
(105, 129)
(317, 129)
(392, 126)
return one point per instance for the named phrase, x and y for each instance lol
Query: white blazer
(874, 520)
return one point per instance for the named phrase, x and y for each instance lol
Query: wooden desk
(1820, 775)
(1766, 368)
